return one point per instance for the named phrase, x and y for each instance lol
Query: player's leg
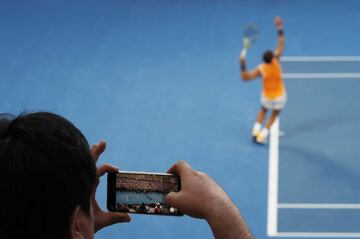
(272, 118)
(259, 121)
(276, 105)
(262, 136)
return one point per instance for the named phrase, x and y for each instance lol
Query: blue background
(159, 81)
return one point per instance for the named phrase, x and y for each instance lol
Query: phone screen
(140, 192)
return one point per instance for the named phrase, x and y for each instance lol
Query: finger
(111, 218)
(106, 168)
(180, 168)
(98, 149)
(116, 217)
(171, 198)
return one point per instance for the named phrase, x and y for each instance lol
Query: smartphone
(141, 192)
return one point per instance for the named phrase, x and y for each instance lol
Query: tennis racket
(250, 35)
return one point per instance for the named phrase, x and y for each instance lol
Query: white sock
(264, 132)
(256, 128)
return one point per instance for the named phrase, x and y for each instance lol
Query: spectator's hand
(278, 22)
(102, 218)
(200, 195)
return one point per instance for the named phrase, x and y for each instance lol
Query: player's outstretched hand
(201, 197)
(278, 22)
(102, 218)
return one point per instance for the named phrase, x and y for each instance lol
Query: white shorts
(275, 104)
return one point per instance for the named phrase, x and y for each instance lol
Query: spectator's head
(47, 178)
(268, 56)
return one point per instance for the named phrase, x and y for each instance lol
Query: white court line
(318, 206)
(320, 234)
(272, 220)
(273, 205)
(320, 58)
(320, 75)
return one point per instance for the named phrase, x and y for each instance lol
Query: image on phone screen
(139, 192)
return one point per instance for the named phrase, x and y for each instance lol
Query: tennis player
(273, 96)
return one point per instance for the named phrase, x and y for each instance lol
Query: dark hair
(268, 56)
(46, 172)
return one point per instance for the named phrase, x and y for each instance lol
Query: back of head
(268, 56)
(46, 172)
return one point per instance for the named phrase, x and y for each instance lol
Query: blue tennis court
(316, 152)
(159, 81)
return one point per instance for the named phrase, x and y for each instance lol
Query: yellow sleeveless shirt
(273, 84)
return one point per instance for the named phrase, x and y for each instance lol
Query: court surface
(316, 151)
(159, 81)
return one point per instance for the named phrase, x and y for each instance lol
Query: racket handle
(246, 43)
(243, 53)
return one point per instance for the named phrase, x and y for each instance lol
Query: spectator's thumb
(172, 199)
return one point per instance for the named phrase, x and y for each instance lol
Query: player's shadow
(319, 124)
(335, 169)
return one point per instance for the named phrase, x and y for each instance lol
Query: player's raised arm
(280, 28)
(247, 75)
(250, 35)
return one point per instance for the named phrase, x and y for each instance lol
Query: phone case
(142, 192)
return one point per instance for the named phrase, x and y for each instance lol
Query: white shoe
(255, 134)
(261, 138)
(256, 130)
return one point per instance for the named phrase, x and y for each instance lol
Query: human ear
(75, 224)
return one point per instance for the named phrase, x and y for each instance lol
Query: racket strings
(251, 32)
